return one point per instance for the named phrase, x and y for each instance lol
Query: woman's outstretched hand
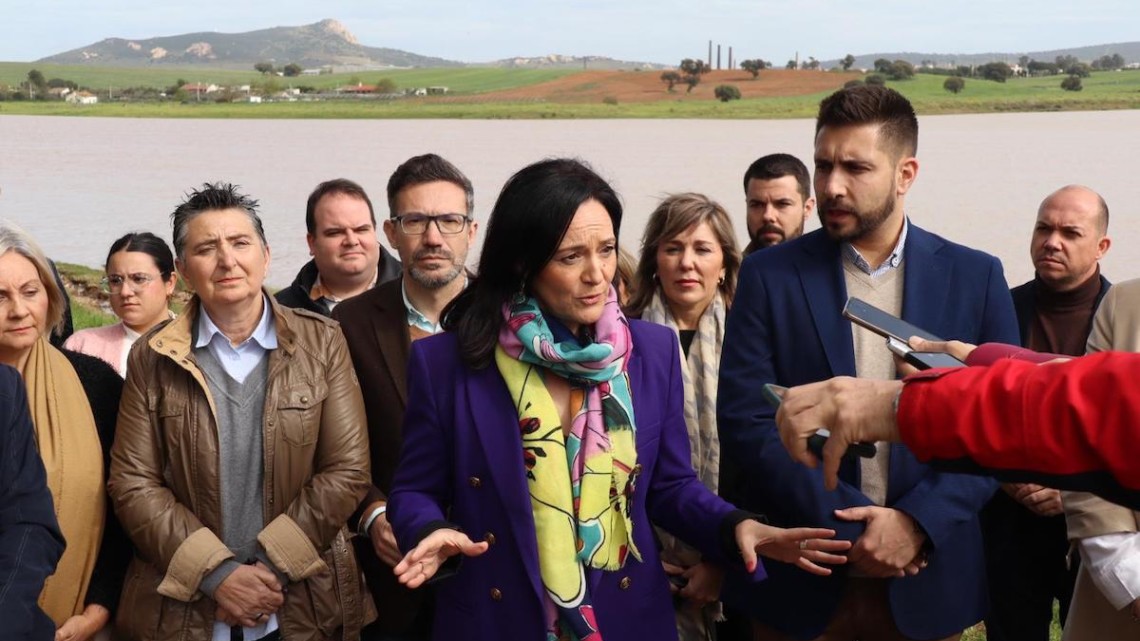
(423, 561)
(804, 547)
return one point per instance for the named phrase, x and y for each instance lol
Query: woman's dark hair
(149, 244)
(527, 224)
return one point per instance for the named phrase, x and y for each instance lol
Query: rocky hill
(326, 43)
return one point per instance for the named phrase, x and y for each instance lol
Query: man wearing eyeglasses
(432, 228)
(347, 257)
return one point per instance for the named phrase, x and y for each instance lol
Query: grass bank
(460, 80)
(1102, 91)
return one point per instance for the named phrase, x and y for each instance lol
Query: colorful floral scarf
(580, 484)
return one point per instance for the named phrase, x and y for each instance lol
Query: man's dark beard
(761, 242)
(865, 222)
(434, 280)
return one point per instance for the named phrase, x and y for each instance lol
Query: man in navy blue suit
(916, 569)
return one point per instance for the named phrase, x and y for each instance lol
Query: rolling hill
(325, 43)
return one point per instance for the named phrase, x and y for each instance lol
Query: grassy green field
(1105, 90)
(458, 80)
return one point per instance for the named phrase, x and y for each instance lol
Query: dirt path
(647, 86)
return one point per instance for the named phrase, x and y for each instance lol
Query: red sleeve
(1058, 419)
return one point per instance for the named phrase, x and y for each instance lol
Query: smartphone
(887, 325)
(774, 394)
(922, 360)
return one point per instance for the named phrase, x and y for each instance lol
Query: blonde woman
(73, 400)
(686, 280)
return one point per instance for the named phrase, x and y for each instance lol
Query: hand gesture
(423, 561)
(855, 410)
(803, 547)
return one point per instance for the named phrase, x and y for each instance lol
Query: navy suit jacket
(462, 462)
(786, 327)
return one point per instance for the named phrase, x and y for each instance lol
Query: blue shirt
(416, 318)
(892, 261)
(238, 361)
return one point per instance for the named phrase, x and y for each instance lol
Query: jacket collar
(820, 267)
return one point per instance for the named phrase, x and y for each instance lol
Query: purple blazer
(462, 463)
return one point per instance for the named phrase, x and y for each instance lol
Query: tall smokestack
(710, 53)
(730, 58)
(718, 57)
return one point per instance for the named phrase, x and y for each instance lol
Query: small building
(436, 91)
(199, 88)
(82, 98)
(59, 93)
(254, 99)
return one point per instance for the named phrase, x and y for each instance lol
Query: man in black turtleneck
(1024, 524)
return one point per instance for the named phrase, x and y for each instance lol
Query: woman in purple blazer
(545, 435)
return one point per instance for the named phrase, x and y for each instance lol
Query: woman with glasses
(73, 401)
(140, 278)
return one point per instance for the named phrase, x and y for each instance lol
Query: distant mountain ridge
(325, 43)
(1130, 51)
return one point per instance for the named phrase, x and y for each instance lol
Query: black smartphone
(774, 394)
(867, 315)
(922, 360)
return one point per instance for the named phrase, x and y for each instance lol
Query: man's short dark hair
(775, 166)
(341, 186)
(428, 168)
(212, 197)
(873, 105)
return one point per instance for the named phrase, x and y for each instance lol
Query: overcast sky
(640, 30)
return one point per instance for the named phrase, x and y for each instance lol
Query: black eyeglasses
(416, 224)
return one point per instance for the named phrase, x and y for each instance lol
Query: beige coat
(165, 487)
(1116, 327)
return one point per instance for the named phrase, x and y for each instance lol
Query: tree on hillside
(1072, 83)
(1065, 62)
(812, 63)
(1079, 69)
(996, 71)
(854, 82)
(724, 93)
(1024, 61)
(692, 70)
(883, 66)
(264, 68)
(875, 79)
(291, 70)
(899, 70)
(1108, 63)
(791, 65)
(954, 84)
(847, 61)
(57, 83)
(670, 78)
(385, 85)
(37, 84)
(753, 67)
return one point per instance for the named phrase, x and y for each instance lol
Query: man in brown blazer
(431, 227)
(1106, 601)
